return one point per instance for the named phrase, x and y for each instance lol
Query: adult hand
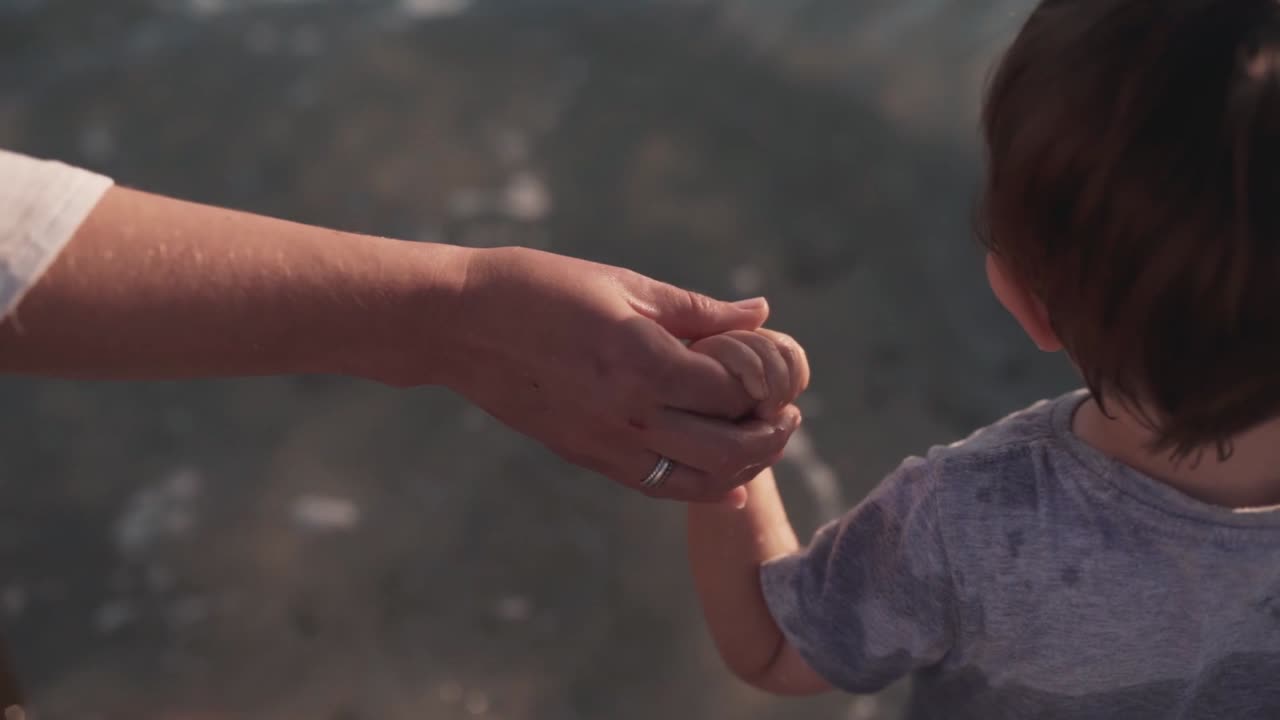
(589, 360)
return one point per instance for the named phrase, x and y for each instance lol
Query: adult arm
(155, 288)
(583, 357)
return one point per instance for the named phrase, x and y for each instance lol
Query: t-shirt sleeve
(42, 203)
(871, 599)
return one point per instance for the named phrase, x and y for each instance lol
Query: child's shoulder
(1012, 435)
(1005, 468)
(989, 495)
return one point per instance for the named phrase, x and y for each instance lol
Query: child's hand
(772, 366)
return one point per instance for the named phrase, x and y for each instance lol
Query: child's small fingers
(740, 360)
(797, 360)
(735, 499)
(776, 372)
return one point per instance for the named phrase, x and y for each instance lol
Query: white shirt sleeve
(42, 203)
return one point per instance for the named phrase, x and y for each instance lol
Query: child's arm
(869, 600)
(728, 546)
(726, 549)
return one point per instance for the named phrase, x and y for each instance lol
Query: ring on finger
(661, 471)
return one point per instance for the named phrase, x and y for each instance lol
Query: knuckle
(790, 354)
(777, 337)
(787, 346)
(698, 305)
(774, 361)
(696, 301)
(789, 349)
(710, 345)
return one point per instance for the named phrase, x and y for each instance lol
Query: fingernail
(756, 303)
(735, 500)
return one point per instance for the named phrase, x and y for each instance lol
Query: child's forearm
(726, 550)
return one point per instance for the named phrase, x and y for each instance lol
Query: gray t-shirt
(1022, 574)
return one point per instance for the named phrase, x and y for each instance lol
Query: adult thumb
(692, 316)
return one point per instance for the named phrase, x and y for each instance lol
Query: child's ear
(1022, 304)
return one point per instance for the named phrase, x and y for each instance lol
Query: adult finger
(692, 316)
(685, 483)
(630, 468)
(729, 453)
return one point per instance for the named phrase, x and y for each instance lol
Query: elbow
(783, 674)
(756, 678)
(755, 669)
(783, 686)
(781, 690)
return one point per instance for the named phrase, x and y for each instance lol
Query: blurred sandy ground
(319, 548)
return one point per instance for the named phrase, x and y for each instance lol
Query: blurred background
(330, 549)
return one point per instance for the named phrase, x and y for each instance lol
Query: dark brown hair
(1134, 187)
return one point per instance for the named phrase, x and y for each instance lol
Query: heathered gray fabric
(1022, 574)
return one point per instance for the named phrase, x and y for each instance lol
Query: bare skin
(728, 546)
(1247, 479)
(585, 358)
(726, 549)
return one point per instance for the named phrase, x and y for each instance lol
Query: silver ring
(659, 474)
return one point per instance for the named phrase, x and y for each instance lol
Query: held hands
(588, 360)
(585, 358)
(772, 368)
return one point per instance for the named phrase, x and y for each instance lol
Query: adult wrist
(411, 321)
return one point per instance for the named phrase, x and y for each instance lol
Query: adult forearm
(151, 287)
(726, 550)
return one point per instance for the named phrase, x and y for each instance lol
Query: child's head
(1132, 205)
